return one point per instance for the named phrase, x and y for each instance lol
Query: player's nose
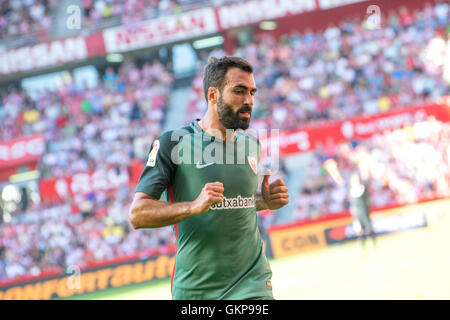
(249, 100)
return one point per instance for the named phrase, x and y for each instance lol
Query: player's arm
(148, 212)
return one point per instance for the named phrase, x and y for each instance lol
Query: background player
(359, 200)
(360, 208)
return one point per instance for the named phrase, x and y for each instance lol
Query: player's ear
(213, 95)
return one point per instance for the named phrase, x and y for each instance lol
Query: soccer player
(208, 173)
(358, 195)
(360, 209)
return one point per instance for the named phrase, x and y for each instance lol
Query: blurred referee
(359, 200)
(360, 208)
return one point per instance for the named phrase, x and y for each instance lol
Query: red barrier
(54, 190)
(309, 138)
(21, 151)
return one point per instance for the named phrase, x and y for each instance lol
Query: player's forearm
(148, 213)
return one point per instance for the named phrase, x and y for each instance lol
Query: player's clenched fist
(275, 194)
(211, 193)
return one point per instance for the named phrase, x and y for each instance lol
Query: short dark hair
(216, 69)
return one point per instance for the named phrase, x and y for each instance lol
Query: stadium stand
(114, 123)
(19, 18)
(25, 21)
(310, 78)
(404, 166)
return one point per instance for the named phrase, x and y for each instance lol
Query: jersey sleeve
(160, 168)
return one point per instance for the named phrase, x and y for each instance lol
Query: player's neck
(211, 124)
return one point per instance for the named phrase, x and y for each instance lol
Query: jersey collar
(196, 126)
(198, 129)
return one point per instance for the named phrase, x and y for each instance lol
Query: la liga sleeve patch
(152, 156)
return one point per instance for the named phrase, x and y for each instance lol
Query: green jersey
(219, 253)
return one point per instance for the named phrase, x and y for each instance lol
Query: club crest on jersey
(152, 156)
(253, 164)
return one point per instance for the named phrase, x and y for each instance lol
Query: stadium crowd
(404, 166)
(345, 71)
(130, 12)
(86, 129)
(54, 238)
(22, 18)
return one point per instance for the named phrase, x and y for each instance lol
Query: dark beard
(230, 119)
